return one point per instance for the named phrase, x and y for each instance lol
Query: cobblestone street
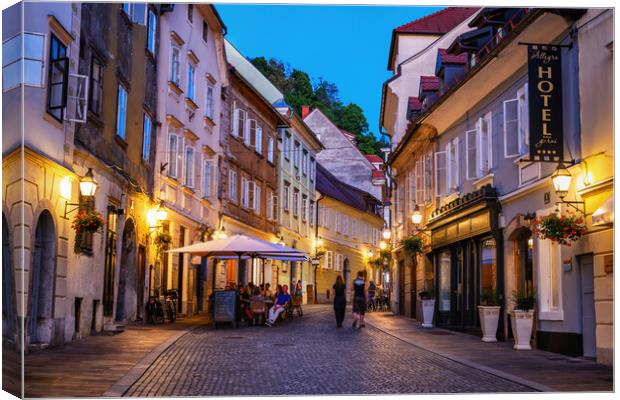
(307, 356)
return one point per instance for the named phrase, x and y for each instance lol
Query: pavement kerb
(120, 387)
(504, 375)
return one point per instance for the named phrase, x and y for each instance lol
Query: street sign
(315, 262)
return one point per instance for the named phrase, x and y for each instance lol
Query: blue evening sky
(345, 45)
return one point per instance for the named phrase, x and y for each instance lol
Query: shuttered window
(440, 173)
(511, 128)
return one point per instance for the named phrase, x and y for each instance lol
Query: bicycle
(171, 305)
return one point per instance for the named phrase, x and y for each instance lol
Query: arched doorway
(9, 315)
(42, 283)
(127, 277)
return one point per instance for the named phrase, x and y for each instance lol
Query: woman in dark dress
(340, 301)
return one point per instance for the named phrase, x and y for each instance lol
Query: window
(511, 128)
(312, 169)
(440, 173)
(190, 12)
(58, 78)
(287, 145)
(232, 185)
(136, 12)
(304, 208)
(338, 222)
(96, 85)
(189, 166)
(239, 118)
(411, 190)
(274, 205)
(146, 137)
(400, 203)
(428, 178)
(419, 181)
(295, 202)
(209, 102)
(152, 32)
(205, 31)
(311, 216)
(208, 178)
(32, 59)
(286, 193)
(296, 155)
(304, 162)
(485, 145)
(549, 285)
(270, 149)
(523, 120)
(258, 145)
(175, 73)
(121, 112)
(471, 158)
(452, 155)
(250, 138)
(257, 199)
(269, 200)
(191, 73)
(339, 262)
(329, 259)
(173, 149)
(247, 193)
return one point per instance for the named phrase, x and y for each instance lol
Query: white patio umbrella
(238, 246)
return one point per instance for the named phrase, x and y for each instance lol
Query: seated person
(282, 301)
(244, 298)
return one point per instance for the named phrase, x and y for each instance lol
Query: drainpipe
(316, 235)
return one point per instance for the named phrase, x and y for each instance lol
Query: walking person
(359, 300)
(340, 301)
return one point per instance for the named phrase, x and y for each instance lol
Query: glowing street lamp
(561, 178)
(416, 217)
(161, 213)
(383, 245)
(88, 184)
(387, 234)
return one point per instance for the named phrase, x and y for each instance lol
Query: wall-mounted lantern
(88, 188)
(561, 179)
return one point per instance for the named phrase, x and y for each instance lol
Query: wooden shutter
(511, 128)
(440, 173)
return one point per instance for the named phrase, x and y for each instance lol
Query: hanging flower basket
(162, 241)
(413, 245)
(87, 221)
(562, 229)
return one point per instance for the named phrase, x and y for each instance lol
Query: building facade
(349, 225)
(486, 189)
(191, 77)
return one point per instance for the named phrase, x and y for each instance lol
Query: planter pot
(428, 312)
(522, 322)
(489, 318)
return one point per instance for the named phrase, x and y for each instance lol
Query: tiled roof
(378, 174)
(447, 58)
(414, 104)
(373, 158)
(429, 83)
(330, 186)
(440, 22)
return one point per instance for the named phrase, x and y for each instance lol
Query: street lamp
(387, 234)
(220, 234)
(561, 179)
(88, 187)
(383, 245)
(416, 217)
(161, 213)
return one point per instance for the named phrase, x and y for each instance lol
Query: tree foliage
(300, 89)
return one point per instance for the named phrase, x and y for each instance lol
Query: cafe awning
(238, 246)
(605, 213)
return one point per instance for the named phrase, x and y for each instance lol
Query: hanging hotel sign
(545, 102)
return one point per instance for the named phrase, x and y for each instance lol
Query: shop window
(445, 269)
(488, 267)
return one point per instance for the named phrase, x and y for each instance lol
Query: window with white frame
(354, 228)
(471, 156)
(338, 222)
(136, 12)
(257, 205)
(286, 194)
(312, 169)
(329, 259)
(173, 153)
(452, 161)
(270, 149)
(175, 63)
(511, 128)
(208, 178)
(304, 162)
(339, 262)
(152, 32)
(523, 119)
(189, 166)
(58, 78)
(239, 123)
(304, 208)
(269, 205)
(419, 181)
(32, 60)
(295, 202)
(191, 75)
(400, 203)
(248, 188)
(258, 140)
(296, 155)
(96, 85)
(250, 138)
(274, 206)
(428, 177)
(549, 280)
(209, 107)
(121, 112)
(311, 210)
(440, 173)
(485, 144)
(286, 145)
(146, 137)
(232, 185)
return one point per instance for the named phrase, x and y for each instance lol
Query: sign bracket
(565, 46)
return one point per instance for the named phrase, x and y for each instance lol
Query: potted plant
(562, 229)
(522, 318)
(427, 296)
(87, 221)
(488, 311)
(162, 241)
(412, 245)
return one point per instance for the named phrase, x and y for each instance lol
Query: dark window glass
(96, 85)
(58, 77)
(205, 31)
(190, 12)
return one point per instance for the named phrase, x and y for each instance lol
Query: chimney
(305, 110)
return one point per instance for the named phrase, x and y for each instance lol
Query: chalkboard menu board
(225, 306)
